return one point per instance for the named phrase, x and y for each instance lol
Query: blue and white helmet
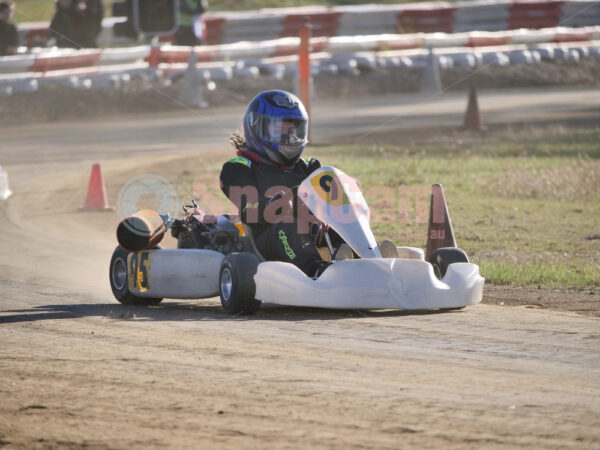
(276, 126)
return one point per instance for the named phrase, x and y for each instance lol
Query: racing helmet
(276, 126)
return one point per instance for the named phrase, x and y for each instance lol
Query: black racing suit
(185, 34)
(77, 28)
(259, 190)
(9, 37)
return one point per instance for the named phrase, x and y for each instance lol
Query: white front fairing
(335, 199)
(374, 283)
(371, 282)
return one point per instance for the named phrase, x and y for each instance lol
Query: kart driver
(262, 179)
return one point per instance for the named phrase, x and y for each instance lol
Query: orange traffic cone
(472, 116)
(439, 231)
(96, 194)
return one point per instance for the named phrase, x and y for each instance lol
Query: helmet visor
(282, 130)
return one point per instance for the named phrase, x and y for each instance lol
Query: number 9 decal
(328, 187)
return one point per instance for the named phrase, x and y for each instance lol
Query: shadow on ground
(177, 311)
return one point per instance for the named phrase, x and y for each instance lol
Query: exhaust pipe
(140, 231)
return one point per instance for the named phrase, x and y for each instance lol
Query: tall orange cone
(304, 70)
(439, 231)
(96, 194)
(472, 116)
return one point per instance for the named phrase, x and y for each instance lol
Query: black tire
(236, 283)
(119, 281)
(189, 239)
(441, 258)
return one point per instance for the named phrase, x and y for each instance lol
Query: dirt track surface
(79, 370)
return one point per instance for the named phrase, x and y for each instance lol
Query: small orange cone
(96, 194)
(472, 116)
(439, 231)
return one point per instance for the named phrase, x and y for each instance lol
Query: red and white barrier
(479, 15)
(483, 15)
(110, 77)
(427, 18)
(55, 60)
(352, 44)
(61, 59)
(77, 72)
(168, 54)
(102, 69)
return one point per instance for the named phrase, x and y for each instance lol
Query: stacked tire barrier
(46, 61)
(87, 68)
(111, 68)
(346, 40)
(376, 43)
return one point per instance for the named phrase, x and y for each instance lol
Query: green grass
(33, 10)
(548, 275)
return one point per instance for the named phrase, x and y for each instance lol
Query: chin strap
(255, 157)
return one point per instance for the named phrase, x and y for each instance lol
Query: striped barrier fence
(277, 58)
(402, 18)
(60, 59)
(269, 24)
(417, 58)
(534, 14)
(323, 63)
(428, 19)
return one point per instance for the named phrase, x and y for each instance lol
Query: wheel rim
(226, 284)
(119, 274)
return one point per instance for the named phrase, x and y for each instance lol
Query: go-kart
(218, 256)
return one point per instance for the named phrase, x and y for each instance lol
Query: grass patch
(546, 275)
(34, 11)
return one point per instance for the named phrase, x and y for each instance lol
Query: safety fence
(111, 68)
(402, 18)
(322, 63)
(268, 24)
(50, 60)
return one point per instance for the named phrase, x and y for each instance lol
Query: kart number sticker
(328, 187)
(139, 271)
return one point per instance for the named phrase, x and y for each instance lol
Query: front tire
(441, 258)
(236, 283)
(119, 281)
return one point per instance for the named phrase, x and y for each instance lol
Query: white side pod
(174, 273)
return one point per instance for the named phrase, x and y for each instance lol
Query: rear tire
(441, 258)
(388, 249)
(119, 281)
(236, 283)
